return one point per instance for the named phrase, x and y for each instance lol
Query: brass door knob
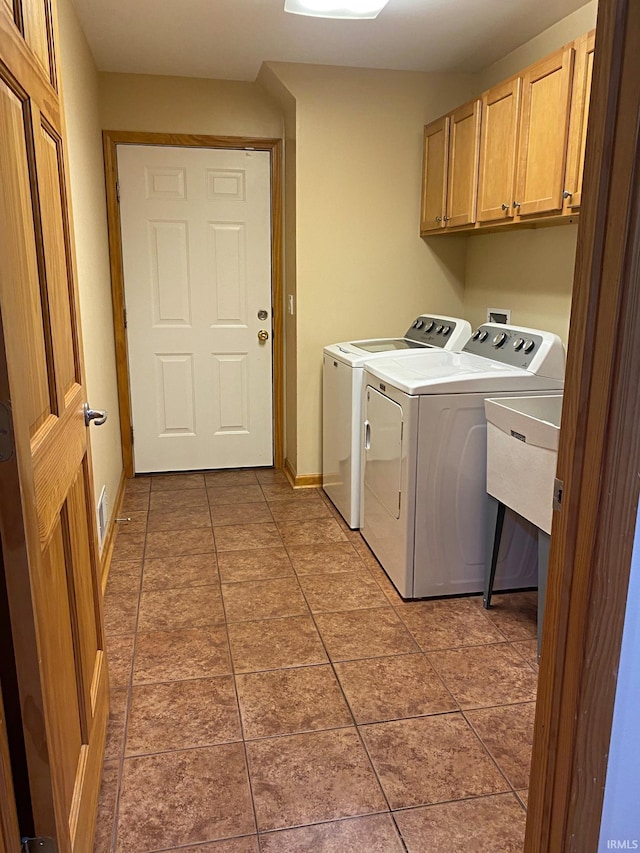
(263, 335)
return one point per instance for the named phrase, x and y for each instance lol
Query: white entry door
(196, 248)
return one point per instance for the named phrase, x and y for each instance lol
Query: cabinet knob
(504, 206)
(438, 219)
(446, 218)
(566, 194)
(516, 204)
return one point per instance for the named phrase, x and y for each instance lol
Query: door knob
(263, 335)
(97, 415)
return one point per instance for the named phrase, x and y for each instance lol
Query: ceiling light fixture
(336, 8)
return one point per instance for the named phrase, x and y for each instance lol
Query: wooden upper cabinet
(434, 175)
(499, 148)
(462, 174)
(582, 78)
(543, 134)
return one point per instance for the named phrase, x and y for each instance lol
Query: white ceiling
(229, 39)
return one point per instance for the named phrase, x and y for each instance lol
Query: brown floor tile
(251, 513)
(182, 714)
(105, 821)
(263, 599)
(295, 510)
(137, 485)
(163, 501)
(128, 546)
(135, 501)
(270, 476)
(192, 571)
(523, 796)
(173, 482)
(344, 591)
(215, 479)
(173, 655)
(120, 614)
(371, 834)
(364, 634)
(115, 723)
(167, 544)
(306, 778)
(208, 798)
(245, 537)
(184, 518)
(124, 577)
(275, 643)
(220, 495)
(447, 624)
(325, 558)
(120, 659)
(390, 592)
(392, 688)
(284, 491)
(136, 523)
(515, 614)
(249, 565)
(285, 701)
(482, 676)
(248, 844)
(310, 532)
(482, 825)
(429, 760)
(529, 651)
(507, 732)
(170, 609)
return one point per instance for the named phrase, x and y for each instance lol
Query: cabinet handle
(504, 206)
(516, 204)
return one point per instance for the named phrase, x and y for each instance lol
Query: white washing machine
(342, 400)
(424, 460)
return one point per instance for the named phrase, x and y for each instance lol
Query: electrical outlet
(498, 315)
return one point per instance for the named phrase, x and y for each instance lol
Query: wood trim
(112, 138)
(110, 537)
(301, 481)
(599, 463)
(9, 832)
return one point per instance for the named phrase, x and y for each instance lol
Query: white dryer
(424, 459)
(343, 368)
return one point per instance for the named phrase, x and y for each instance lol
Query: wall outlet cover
(498, 315)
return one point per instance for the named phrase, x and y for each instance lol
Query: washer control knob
(416, 324)
(499, 339)
(529, 345)
(439, 330)
(518, 344)
(429, 326)
(446, 330)
(475, 335)
(483, 335)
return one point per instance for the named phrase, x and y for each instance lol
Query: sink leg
(495, 522)
(544, 541)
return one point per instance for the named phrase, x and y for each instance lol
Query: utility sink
(522, 449)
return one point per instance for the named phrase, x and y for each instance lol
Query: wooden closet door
(543, 134)
(499, 151)
(47, 515)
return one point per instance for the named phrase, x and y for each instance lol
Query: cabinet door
(543, 134)
(434, 175)
(462, 177)
(582, 77)
(498, 151)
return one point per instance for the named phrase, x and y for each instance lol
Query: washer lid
(356, 353)
(454, 373)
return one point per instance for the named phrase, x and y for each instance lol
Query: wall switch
(290, 304)
(498, 315)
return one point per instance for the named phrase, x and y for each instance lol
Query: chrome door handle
(367, 435)
(99, 416)
(263, 335)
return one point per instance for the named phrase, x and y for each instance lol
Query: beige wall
(529, 271)
(361, 267)
(86, 174)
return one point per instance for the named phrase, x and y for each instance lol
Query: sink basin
(522, 449)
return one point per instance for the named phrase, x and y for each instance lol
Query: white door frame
(112, 138)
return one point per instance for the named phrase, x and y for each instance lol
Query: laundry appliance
(424, 459)
(343, 368)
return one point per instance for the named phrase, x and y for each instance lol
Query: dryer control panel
(434, 331)
(531, 349)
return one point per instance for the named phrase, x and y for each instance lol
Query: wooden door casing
(499, 144)
(9, 832)
(462, 171)
(47, 516)
(544, 127)
(434, 175)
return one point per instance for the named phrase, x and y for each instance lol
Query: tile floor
(271, 692)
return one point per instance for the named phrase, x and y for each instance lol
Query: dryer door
(383, 450)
